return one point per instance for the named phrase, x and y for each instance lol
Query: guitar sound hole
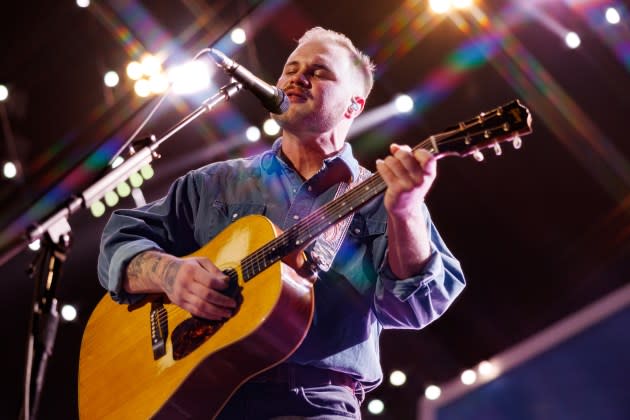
(193, 332)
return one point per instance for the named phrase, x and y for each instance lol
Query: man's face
(319, 82)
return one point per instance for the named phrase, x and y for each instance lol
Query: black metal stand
(45, 270)
(54, 234)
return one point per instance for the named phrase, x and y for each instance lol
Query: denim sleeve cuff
(119, 262)
(405, 288)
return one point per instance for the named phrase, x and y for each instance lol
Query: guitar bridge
(158, 318)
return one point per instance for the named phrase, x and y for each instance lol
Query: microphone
(272, 98)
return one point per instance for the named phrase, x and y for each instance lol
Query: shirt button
(296, 217)
(310, 188)
(357, 230)
(235, 215)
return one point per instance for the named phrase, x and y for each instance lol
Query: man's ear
(356, 107)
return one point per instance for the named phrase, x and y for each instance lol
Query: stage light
(136, 180)
(376, 406)
(612, 16)
(252, 134)
(271, 127)
(190, 77)
(487, 369)
(461, 4)
(83, 3)
(111, 79)
(123, 189)
(147, 172)
(573, 40)
(238, 36)
(134, 70)
(158, 83)
(9, 170)
(404, 103)
(440, 6)
(432, 392)
(142, 88)
(4, 93)
(68, 313)
(397, 378)
(468, 377)
(150, 65)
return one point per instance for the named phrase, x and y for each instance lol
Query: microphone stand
(55, 236)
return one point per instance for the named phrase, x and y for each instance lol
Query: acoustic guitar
(155, 360)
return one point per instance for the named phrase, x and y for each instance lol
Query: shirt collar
(344, 155)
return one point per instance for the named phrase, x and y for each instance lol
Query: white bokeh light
(35, 245)
(111, 79)
(271, 127)
(397, 378)
(9, 170)
(4, 93)
(376, 406)
(432, 392)
(142, 88)
(468, 377)
(238, 36)
(403, 103)
(439, 6)
(68, 312)
(83, 3)
(573, 40)
(612, 16)
(134, 70)
(252, 134)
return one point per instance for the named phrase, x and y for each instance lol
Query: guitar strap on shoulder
(328, 243)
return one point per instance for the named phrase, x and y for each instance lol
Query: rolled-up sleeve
(153, 226)
(416, 301)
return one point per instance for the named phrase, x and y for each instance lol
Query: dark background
(541, 232)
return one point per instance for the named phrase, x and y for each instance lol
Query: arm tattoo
(170, 271)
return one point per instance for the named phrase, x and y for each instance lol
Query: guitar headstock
(487, 130)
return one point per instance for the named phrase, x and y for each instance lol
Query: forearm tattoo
(147, 267)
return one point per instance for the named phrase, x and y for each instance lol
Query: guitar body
(119, 378)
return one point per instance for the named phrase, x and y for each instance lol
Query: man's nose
(300, 78)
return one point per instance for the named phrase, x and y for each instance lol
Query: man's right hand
(193, 283)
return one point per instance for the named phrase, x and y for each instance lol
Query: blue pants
(265, 401)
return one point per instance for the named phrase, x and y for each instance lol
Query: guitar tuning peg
(478, 156)
(517, 142)
(497, 149)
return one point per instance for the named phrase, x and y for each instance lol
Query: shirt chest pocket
(366, 229)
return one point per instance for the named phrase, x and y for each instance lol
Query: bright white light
(9, 170)
(111, 198)
(397, 378)
(432, 392)
(35, 245)
(403, 103)
(271, 127)
(252, 134)
(134, 70)
(439, 6)
(68, 312)
(487, 369)
(238, 36)
(468, 377)
(111, 79)
(158, 83)
(142, 88)
(376, 406)
(151, 65)
(97, 208)
(572, 39)
(4, 93)
(83, 3)
(461, 4)
(190, 77)
(612, 16)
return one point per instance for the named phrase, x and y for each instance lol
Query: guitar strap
(328, 243)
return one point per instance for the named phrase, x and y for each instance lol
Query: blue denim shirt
(354, 300)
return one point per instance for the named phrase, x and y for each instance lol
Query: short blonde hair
(362, 62)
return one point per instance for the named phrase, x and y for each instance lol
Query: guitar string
(320, 218)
